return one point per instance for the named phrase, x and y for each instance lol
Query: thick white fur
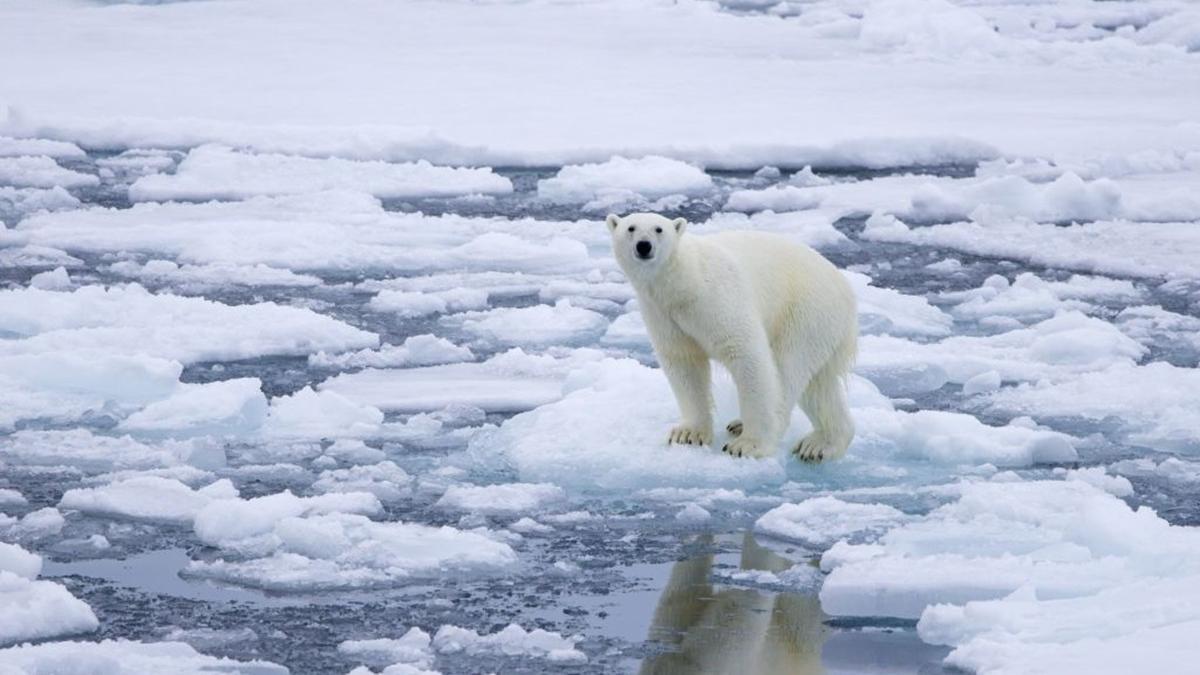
(776, 314)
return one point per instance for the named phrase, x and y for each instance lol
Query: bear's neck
(675, 273)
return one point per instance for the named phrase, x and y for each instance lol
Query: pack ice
(314, 357)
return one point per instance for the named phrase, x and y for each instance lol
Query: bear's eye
(658, 230)
(631, 228)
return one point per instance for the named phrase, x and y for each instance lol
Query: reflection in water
(735, 630)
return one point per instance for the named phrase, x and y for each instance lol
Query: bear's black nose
(643, 249)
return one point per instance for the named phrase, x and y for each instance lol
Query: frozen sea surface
(654, 568)
(289, 386)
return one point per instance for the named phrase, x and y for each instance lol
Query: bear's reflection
(734, 630)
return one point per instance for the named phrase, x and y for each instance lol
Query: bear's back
(782, 273)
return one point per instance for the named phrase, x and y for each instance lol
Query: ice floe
(84, 451)
(148, 498)
(336, 230)
(1140, 250)
(1154, 403)
(1067, 344)
(317, 414)
(537, 326)
(508, 382)
(226, 407)
(620, 179)
(33, 608)
(821, 521)
(17, 147)
(41, 172)
(413, 648)
(126, 656)
(418, 350)
(213, 275)
(1029, 297)
(19, 202)
(513, 640)
(131, 320)
(320, 543)
(507, 498)
(1060, 539)
(215, 172)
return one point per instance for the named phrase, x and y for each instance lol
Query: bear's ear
(680, 225)
(613, 220)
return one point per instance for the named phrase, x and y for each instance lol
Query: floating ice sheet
(35, 609)
(135, 658)
(214, 172)
(509, 382)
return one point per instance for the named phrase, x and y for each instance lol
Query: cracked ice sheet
(1062, 539)
(129, 320)
(508, 382)
(119, 348)
(1043, 193)
(1154, 404)
(281, 543)
(1056, 349)
(1143, 250)
(334, 231)
(33, 608)
(93, 453)
(214, 172)
(608, 433)
(1031, 577)
(132, 657)
(350, 231)
(284, 542)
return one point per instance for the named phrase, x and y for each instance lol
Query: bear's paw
(815, 448)
(745, 447)
(686, 435)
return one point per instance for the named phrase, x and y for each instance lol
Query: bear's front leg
(689, 372)
(751, 364)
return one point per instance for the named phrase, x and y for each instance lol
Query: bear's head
(643, 242)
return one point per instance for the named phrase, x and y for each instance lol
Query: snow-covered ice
(823, 521)
(511, 640)
(621, 179)
(1148, 250)
(214, 172)
(514, 498)
(124, 656)
(418, 350)
(341, 550)
(131, 320)
(41, 172)
(148, 497)
(34, 608)
(538, 326)
(511, 381)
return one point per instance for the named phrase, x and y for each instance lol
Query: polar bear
(779, 316)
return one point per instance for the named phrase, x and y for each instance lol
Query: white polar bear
(776, 314)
